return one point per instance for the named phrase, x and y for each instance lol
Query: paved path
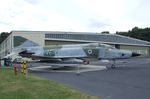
(131, 80)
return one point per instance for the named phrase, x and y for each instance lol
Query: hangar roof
(114, 38)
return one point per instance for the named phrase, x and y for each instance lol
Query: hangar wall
(31, 35)
(145, 51)
(6, 46)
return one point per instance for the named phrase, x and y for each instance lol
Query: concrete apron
(77, 69)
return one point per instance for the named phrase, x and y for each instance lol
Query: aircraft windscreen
(106, 46)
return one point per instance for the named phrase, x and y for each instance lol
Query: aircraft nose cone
(135, 54)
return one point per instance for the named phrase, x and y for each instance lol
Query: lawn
(18, 87)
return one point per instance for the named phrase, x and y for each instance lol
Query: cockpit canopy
(106, 46)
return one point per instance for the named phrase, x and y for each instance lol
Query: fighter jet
(75, 52)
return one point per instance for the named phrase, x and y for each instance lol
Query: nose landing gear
(113, 64)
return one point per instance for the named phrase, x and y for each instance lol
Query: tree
(3, 36)
(139, 33)
(105, 32)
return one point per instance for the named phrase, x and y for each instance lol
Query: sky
(74, 15)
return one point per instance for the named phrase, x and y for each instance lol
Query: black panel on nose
(135, 54)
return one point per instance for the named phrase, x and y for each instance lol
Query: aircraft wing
(54, 59)
(9, 55)
(15, 52)
(29, 54)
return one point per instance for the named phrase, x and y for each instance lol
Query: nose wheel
(113, 64)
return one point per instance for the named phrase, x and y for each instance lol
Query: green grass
(18, 87)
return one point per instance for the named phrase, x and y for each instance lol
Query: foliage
(105, 32)
(3, 36)
(18, 87)
(139, 33)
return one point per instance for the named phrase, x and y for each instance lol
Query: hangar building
(44, 38)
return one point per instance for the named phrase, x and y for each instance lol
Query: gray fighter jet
(75, 52)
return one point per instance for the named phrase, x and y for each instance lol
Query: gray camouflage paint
(78, 51)
(91, 50)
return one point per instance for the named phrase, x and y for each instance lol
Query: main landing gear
(113, 64)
